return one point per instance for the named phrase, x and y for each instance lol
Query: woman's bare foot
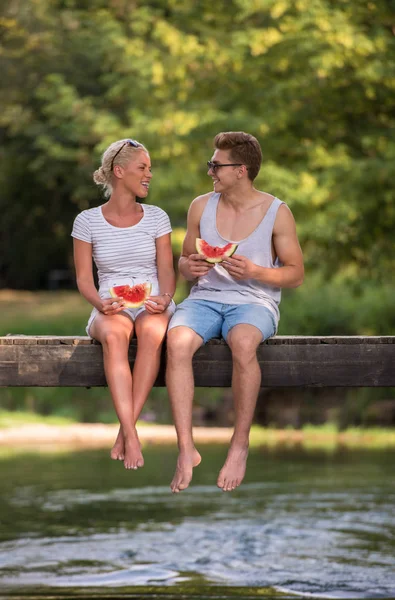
(133, 456)
(232, 473)
(118, 449)
(186, 462)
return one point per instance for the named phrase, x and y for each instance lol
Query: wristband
(167, 294)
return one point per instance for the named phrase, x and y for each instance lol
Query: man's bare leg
(246, 379)
(114, 333)
(182, 344)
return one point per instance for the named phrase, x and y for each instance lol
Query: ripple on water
(260, 537)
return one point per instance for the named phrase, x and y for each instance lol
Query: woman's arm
(164, 261)
(166, 276)
(85, 281)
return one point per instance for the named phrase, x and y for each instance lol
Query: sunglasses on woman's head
(127, 143)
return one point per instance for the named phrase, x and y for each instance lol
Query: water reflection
(302, 523)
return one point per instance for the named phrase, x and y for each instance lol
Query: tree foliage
(314, 80)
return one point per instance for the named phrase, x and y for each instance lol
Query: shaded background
(313, 80)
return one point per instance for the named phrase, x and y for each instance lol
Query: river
(304, 523)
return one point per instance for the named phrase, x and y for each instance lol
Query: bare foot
(232, 473)
(185, 464)
(118, 450)
(133, 456)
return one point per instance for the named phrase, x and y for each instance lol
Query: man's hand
(198, 266)
(239, 267)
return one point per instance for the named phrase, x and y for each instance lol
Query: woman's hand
(111, 306)
(239, 267)
(156, 305)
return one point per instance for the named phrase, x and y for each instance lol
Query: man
(237, 299)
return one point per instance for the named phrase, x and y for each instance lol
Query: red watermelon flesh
(133, 296)
(214, 254)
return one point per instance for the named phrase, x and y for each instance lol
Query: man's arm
(286, 247)
(191, 264)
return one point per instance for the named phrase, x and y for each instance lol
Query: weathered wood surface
(286, 361)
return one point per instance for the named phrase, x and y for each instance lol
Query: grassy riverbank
(31, 430)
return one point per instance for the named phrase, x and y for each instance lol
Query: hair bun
(99, 176)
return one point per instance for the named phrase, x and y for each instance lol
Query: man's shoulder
(284, 219)
(198, 204)
(197, 207)
(202, 199)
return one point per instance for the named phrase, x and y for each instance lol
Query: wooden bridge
(286, 361)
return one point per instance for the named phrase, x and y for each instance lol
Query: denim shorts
(214, 320)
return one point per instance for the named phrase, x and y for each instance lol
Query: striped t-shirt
(123, 253)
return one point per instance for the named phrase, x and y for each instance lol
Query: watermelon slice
(214, 254)
(134, 296)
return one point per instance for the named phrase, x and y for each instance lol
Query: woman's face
(136, 175)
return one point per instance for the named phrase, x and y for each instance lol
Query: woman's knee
(151, 338)
(114, 339)
(151, 332)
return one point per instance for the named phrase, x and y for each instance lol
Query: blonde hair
(244, 148)
(118, 153)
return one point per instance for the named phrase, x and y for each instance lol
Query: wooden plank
(22, 339)
(285, 362)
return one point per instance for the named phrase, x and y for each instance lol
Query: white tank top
(218, 285)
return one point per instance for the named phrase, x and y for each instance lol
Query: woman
(130, 244)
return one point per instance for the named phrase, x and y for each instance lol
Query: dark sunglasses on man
(214, 166)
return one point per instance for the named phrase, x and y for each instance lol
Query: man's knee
(243, 343)
(182, 343)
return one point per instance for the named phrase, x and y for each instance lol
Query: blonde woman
(130, 243)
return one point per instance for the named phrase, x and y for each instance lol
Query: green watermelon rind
(128, 304)
(215, 260)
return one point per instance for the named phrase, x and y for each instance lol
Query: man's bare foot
(185, 464)
(133, 456)
(118, 450)
(232, 473)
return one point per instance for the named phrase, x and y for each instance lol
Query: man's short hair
(244, 148)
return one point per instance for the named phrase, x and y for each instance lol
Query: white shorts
(132, 313)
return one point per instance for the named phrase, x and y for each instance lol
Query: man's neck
(240, 197)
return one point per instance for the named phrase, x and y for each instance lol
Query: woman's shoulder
(89, 213)
(89, 216)
(153, 210)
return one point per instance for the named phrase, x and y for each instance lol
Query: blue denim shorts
(214, 320)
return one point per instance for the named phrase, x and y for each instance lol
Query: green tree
(312, 79)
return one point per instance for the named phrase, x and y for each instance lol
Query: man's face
(223, 177)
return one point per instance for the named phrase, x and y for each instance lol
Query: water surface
(313, 524)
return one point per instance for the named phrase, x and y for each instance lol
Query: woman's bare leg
(150, 332)
(114, 333)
